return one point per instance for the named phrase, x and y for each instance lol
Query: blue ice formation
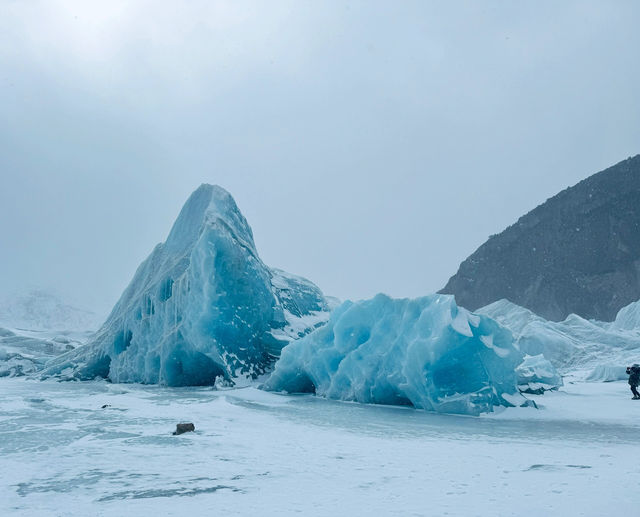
(537, 375)
(424, 352)
(202, 306)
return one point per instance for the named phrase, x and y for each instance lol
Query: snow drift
(201, 306)
(426, 352)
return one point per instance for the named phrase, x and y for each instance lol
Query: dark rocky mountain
(579, 252)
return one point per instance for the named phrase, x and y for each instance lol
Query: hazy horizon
(371, 146)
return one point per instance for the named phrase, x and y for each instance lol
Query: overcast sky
(371, 145)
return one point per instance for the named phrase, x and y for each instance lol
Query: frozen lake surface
(263, 453)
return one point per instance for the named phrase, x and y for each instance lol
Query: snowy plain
(259, 453)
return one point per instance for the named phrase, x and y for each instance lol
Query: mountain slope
(579, 252)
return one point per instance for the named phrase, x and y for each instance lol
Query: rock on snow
(203, 305)
(425, 352)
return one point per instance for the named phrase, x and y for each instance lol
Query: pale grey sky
(371, 145)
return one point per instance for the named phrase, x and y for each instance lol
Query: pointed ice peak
(202, 305)
(213, 195)
(209, 205)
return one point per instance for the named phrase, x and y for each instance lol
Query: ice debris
(22, 353)
(574, 344)
(424, 352)
(202, 306)
(537, 375)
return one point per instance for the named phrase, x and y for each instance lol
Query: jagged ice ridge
(425, 352)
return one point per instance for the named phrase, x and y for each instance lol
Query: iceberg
(202, 306)
(425, 352)
(575, 343)
(537, 375)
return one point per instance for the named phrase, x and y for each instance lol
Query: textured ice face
(608, 373)
(628, 318)
(25, 352)
(425, 352)
(537, 375)
(201, 306)
(575, 343)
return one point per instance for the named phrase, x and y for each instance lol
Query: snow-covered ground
(258, 453)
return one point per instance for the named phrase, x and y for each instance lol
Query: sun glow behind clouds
(82, 30)
(166, 34)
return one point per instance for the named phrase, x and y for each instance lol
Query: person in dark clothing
(634, 379)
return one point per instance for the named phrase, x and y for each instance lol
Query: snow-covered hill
(41, 310)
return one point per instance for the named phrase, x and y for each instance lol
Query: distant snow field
(259, 453)
(39, 310)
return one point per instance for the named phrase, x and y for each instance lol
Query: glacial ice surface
(575, 343)
(63, 454)
(608, 373)
(425, 352)
(628, 318)
(26, 352)
(203, 305)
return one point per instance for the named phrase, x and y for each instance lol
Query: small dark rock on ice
(184, 428)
